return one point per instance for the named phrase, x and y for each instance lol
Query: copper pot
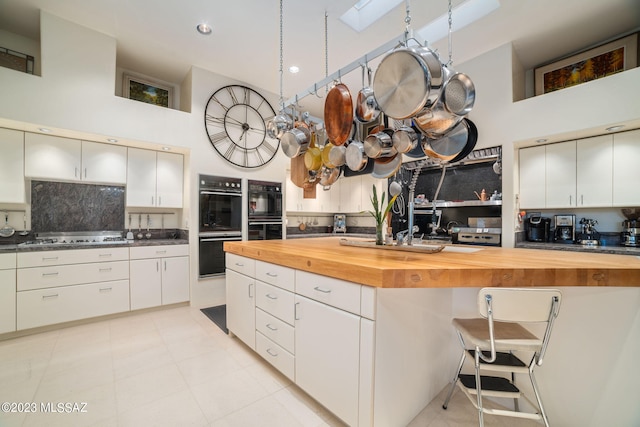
(338, 114)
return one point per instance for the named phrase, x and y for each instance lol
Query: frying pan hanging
(338, 114)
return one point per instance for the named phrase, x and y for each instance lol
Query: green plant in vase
(378, 214)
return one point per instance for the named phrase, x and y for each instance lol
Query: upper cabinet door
(594, 171)
(104, 163)
(170, 171)
(626, 173)
(52, 157)
(12, 189)
(532, 177)
(560, 185)
(141, 177)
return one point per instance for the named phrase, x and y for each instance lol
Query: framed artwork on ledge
(147, 90)
(605, 60)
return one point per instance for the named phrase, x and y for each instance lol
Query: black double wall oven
(265, 210)
(220, 221)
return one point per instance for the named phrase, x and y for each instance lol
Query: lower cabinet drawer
(63, 304)
(275, 301)
(73, 274)
(276, 330)
(281, 359)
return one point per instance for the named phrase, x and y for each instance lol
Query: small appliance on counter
(630, 233)
(339, 223)
(565, 229)
(538, 228)
(589, 235)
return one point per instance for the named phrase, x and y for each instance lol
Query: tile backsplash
(60, 206)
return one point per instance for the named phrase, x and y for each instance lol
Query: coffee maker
(538, 228)
(631, 233)
(565, 229)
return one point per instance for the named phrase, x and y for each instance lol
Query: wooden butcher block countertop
(456, 266)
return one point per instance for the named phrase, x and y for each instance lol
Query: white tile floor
(168, 368)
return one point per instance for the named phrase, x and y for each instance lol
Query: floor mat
(218, 315)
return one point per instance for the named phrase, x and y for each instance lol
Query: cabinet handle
(75, 172)
(582, 199)
(271, 296)
(157, 265)
(49, 296)
(272, 274)
(165, 265)
(249, 289)
(324, 291)
(106, 289)
(159, 200)
(161, 252)
(570, 200)
(105, 269)
(273, 328)
(239, 264)
(51, 258)
(271, 352)
(50, 274)
(295, 311)
(105, 255)
(152, 201)
(85, 172)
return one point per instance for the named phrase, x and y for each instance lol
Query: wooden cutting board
(298, 171)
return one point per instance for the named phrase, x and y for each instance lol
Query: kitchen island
(394, 349)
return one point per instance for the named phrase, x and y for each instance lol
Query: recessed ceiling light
(614, 128)
(112, 140)
(204, 29)
(541, 140)
(294, 69)
(45, 130)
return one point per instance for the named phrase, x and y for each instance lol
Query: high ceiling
(158, 37)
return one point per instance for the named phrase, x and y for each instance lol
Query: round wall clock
(235, 120)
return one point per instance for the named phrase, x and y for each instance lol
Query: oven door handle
(265, 222)
(220, 239)
(220, 193)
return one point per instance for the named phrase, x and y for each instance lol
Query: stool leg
(478, 388)
(455, 379)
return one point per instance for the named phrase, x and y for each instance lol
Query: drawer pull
(271, 296)
(271, 352)
(239, 264)
(49, 296)
(51, 258)
(273, 328)
(105, 269)
(106, 289)
(272, 274)
(50, 274)
(161, 252)
(295, 311)
(105, 255)
(324, 291)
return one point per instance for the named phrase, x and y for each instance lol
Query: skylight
(366, 12)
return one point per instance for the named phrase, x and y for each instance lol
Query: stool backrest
(519, 304)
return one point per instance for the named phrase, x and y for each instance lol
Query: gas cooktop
(76, 238)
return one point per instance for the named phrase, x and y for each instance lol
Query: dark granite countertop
(619, 250)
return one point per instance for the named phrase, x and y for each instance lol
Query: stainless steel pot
(407, 81)
(295, 141)
(277, 126)
(448, 146)
(355, 157)
(337, 155)
(379, 144)
(366, 106)
(405, 139)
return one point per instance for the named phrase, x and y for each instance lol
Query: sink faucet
(406, 237)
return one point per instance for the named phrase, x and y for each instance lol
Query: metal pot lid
(355, 157)
(338, 114)
(401, 84)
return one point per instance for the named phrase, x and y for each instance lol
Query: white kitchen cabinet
(532, 165)
(626, 173)
(66, 285)
(594, 171)
(327, 356)
(104, 163)
(241, 306)
(154, 179)
(350, 194)
(159, 275)
(66, 159)
(48, 306)
(325, 201)
(7, 293)
(12, 189)
(560, 173)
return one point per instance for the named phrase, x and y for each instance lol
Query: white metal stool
(492, 339)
